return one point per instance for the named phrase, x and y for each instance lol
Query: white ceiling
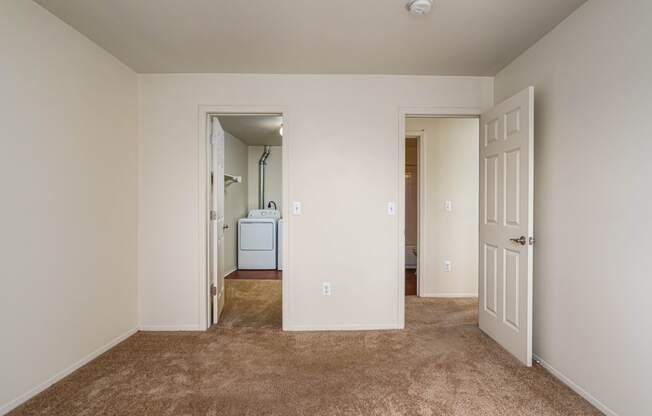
(254, 130)
(459, 37)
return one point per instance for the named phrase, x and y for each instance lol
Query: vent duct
(262, 164)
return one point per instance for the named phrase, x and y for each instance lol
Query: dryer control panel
(264, 213)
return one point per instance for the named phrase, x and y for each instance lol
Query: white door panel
(506, 213)
(217, 217)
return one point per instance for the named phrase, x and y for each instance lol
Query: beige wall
(343, 166)
(68, 174)
(592, 275)
(274, 177)
(450, 172)
(236, 159)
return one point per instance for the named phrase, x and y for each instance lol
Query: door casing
(203, 158)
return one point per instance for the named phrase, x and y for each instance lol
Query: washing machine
(257, 240)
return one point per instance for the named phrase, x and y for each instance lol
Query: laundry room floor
(256, 275)
(410, 282)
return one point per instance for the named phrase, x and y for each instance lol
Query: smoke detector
(419, 7)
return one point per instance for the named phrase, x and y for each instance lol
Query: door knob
(521, 240)
(225, 226)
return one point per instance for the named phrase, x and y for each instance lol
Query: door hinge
(213, 215)
(213, 290)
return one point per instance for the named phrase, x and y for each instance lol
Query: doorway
(504, 140)
(441, 208)
(245, 227)
(412, 210)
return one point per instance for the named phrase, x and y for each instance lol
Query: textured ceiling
(459, 37)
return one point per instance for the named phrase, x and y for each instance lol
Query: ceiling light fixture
(419, 7)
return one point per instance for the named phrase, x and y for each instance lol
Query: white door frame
(203, 194)
(403, 113)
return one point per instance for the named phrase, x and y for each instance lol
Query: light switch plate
(326, 289)
(447, 266)
(296, 208)
(391, 208)
(448, 206)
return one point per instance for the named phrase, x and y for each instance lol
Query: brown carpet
(440, 365)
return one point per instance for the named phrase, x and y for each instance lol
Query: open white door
(506, 223)
(217, 218)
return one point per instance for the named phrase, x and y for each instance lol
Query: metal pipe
(262, 163)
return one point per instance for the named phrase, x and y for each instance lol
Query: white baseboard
(156, 328)
(354, 327)
(230, 271)
(574, 386)
(7, 407)
(448, 295)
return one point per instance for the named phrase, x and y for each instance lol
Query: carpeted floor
(440, 365)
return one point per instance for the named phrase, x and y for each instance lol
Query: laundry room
(251, 247)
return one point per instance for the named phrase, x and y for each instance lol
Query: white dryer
(257, 245)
